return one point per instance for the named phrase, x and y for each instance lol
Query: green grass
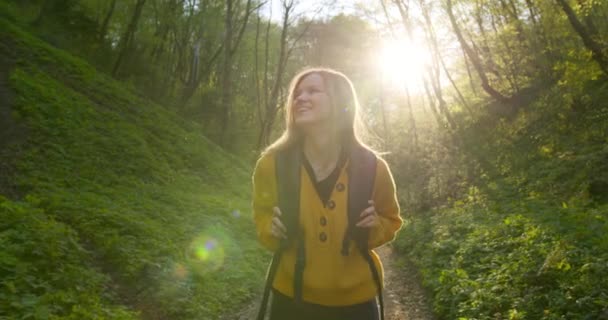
(114, 193)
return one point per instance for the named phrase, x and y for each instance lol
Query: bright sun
(402, 63)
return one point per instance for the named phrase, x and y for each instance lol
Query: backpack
(363, 163)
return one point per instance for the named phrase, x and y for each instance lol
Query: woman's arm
(264, 199)
(387, 207)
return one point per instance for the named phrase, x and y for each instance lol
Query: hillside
(111, 206)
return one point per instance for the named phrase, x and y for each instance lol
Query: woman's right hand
(277, 228)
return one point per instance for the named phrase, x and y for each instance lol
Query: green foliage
(134, 184)
(491, 262)
(44, 270)
(529, 240)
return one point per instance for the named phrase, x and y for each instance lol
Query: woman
(323, 266)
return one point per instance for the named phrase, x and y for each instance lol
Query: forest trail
(404, 296)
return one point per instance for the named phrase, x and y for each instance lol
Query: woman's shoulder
(381, 163)
(265, 163)
(382, 166)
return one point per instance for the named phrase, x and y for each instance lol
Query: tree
(474, 58)
(127, 38)
(103, 30)
(230, 46)
(272, 101)
(592, 45)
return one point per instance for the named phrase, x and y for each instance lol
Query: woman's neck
(321, 149)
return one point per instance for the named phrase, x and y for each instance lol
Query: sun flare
(402, 63)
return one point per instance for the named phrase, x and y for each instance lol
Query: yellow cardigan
(330, 278)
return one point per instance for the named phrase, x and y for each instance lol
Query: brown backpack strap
(287, 170)
(361, 177)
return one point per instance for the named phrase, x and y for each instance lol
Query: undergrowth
(530, 241)
(126, 210)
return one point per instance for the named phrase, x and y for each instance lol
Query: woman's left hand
(369, 217)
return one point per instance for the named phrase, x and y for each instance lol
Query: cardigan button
(331, 204)
(323, 237)
(340, 187)
(323, 221)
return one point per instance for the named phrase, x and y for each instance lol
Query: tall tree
(474, 58)
(592, 45)
(127, 38)
(231, 43)
(272, 102)
(103, 29)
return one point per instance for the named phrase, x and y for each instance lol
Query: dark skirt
(285, 308)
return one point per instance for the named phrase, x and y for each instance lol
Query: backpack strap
(361, 177)
(287, 165)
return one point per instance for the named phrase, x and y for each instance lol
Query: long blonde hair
(344, 106)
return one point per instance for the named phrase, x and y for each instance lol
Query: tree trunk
(226, 72)
(592, 29)
(103, 30)
(460, 96)
(590, 43)
(474, 58)
(191, 86)
(469, 73)
(127, 38)
(434, 73)
(256, 58)
(432, 106)
(479, 20)
(230, 46)
(44, 11)
(271, 107)
(512, 12)
(412, 119)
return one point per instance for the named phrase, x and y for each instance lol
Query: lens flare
(205, 254)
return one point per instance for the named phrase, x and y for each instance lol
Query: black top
(325, 186)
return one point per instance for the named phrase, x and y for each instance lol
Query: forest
(129, 130)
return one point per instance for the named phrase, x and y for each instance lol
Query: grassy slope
(113, 192)
(531, 241)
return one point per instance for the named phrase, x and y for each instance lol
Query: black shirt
(325, 186)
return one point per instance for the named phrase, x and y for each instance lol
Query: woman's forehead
(312, 79)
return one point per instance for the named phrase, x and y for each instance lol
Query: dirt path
(404, 297)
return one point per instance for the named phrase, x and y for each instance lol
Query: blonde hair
(344, 106)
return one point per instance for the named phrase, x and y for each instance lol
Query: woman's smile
(311, 103)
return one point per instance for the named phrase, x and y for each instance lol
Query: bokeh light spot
(205, 254)
(236, 213)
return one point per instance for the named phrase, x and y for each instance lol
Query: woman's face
(311, 103)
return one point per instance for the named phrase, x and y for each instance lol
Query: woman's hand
(369, 217)
(277, 228)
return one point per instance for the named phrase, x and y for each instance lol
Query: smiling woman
(402, 63)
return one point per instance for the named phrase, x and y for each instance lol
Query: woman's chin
(304, 121)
